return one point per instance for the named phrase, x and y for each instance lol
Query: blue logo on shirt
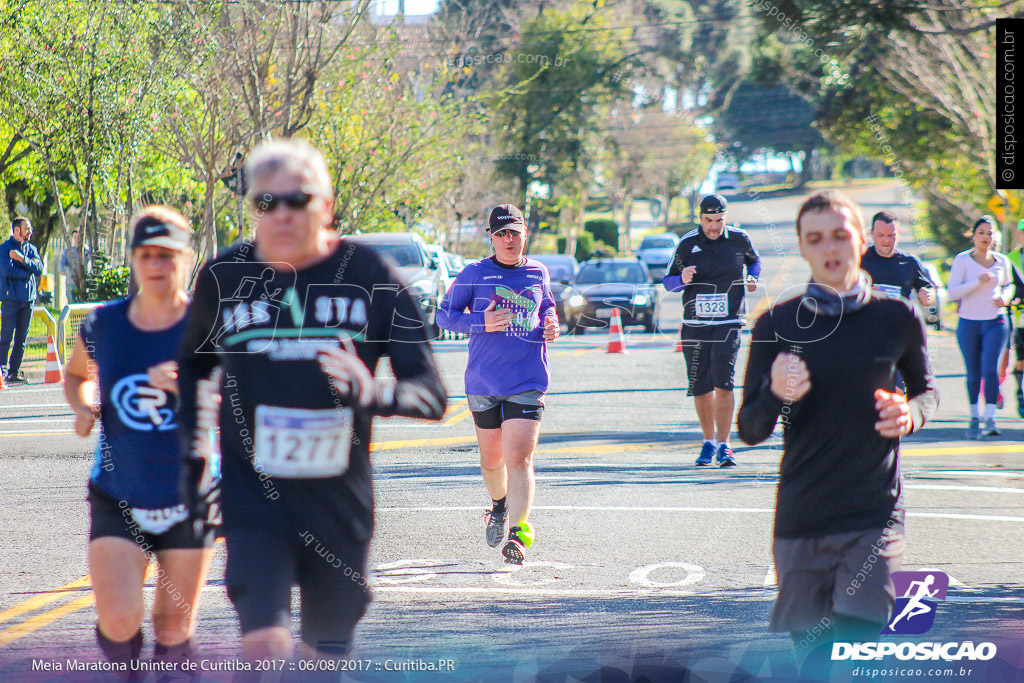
(141, 406)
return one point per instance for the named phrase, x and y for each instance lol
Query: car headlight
(423, 287)
(640, 300)
(576, 300)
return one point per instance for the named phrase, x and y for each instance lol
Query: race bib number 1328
(296, 443)
(712, 305)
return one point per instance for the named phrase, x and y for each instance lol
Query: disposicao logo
(917, 594)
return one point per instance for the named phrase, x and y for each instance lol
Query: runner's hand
(85, 418)
(751, 283)
(551, 328)
(894, 414)
(986, 278)
(926, 296)
(17, 255)
(791, 379)
(687, 275)
(164, 376)
(496, 319)
(350, 376)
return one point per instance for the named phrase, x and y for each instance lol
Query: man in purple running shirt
(505, 304)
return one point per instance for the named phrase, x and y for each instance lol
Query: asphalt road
(643, 564)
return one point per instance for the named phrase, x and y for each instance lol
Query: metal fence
(68, 324)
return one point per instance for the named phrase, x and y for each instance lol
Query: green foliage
(106, 282)
(585, 246)
(603, 229)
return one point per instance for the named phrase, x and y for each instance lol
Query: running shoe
(1020, 402)
(515, 547)
(707, 454)
(725, 456)
(495, 526)
(990, 428)
(16, 379)
(973, 429)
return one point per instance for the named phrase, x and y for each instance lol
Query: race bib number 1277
(296, 443)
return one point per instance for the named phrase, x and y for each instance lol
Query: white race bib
(891, 290)
(159, 521)
(712, 305)
(296, 443)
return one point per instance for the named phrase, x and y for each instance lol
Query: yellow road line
(613, 447)
(575, 352)
(457, 418)
(415, 443)
(45, 619)
(455, 405)
(34, 603)
(20, 434)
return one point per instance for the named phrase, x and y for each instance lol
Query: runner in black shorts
(505, 304)
(298, 322)
(708, 268)
(826, 362)
(136, 506)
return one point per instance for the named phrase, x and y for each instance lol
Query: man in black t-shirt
(826, 362)
(895, 272)
(299, 321)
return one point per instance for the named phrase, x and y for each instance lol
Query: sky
(389, 7)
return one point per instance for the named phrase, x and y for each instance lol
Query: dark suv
(602, 285)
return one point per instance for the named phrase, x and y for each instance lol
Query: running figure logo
(917, 592)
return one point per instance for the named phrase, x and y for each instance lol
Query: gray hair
(292, 155)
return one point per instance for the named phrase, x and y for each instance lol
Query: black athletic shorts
(489, 412)
(1018, 343)
(111, 518)
(330, 570)
(710, 352)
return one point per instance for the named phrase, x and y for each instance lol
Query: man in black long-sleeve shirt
(826, 362)
(298, 321)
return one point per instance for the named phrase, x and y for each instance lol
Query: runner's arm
(673, 280)
(418, 390)
(452, 315)
(760, 408)
(197, 358)
(753, 260)
(923, 399)
(33, 264)
(959, 286)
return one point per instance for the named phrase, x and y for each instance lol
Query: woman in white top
(981, 280)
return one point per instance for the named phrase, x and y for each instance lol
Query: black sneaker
(514, 549)
(19, 378)
(1020, 402)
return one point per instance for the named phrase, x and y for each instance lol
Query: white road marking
(974, 473)
(617, 508)
(694, 574)
(508, 577)
(953, 487)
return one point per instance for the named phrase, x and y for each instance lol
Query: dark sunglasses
(293, 200)
(502, 234)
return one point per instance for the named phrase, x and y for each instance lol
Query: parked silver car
(656, 252)
(421, 271)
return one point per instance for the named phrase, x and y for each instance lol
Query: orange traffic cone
(54, 373)
(3, 384)
(616, 343)
(679, 342)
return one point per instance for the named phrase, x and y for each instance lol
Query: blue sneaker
(707, 454)
(725, 457)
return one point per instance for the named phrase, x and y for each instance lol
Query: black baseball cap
(506, 216)
(152, 231)
(713, 203)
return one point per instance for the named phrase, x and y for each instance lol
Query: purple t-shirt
(512, 361)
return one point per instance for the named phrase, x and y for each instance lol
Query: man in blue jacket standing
(20, 268)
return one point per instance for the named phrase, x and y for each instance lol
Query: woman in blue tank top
(127, 347)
